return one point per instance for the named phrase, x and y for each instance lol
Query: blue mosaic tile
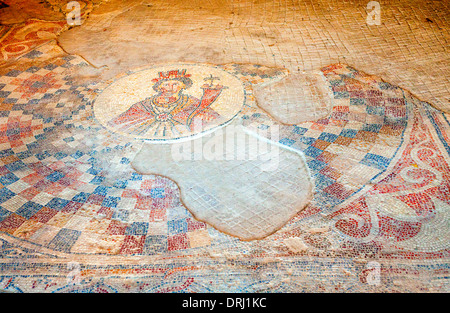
(357, 101)
(372, 127)
(33, 54)
(328, 137)
(69, 139)
(157, 193)
(321, 181)
(13, 73)
(299, 130)
(307, 140)
(94, 170)
(97, 180)
(57, 203)
(77, 155)
(177, 226)
(124, 161)
(4, 213)
(4, 94)
(385, 86)
(326, 199)
(137, 229)
(38, 84)
(155, 244)
(341, 94)
(120, 184)
(64, 240)
(287, 142)
(6, 152)
(136, 176)
(50, 67)
(121, 215)
(110, 202)
(6, 194)
(28, 209)
(313, 151)
(81, 197)
(33, 145)
(24, 154)
(375, 110)
(337, 82)
(32, 69)
(60, 155)
(8, 179)
(349, 133)
(15, 166)
(11, 101)
(41, 156)
(102, 190)
(375, 161)
(55, 176)
(12, 131)
(316, 165)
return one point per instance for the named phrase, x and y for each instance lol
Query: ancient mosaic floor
(92, 199)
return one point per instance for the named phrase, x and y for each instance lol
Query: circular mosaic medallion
(170, 102)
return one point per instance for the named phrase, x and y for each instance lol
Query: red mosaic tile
(11, 223)
(178, 242)
(133, 245)
(338, 190)
(117, 228)
(44, 215)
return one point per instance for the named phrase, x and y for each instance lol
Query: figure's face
(171, 87)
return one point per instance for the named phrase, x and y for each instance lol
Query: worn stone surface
(407, 49)
(297, 98)
(233, 180)
(19, 11)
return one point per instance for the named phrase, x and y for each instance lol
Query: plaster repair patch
(241, 184)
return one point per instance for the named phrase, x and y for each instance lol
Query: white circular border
(114, 104)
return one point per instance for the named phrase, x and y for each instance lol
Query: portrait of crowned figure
(170, 111)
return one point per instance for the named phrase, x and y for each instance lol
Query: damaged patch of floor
(261, 184)
(296, 98)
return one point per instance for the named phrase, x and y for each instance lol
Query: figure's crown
(170, 75)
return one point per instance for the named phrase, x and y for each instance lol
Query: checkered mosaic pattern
(67, 184)
(54, 192)
(359, 139)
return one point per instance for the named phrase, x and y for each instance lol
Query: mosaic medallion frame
(170, 102)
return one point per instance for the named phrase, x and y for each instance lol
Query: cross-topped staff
(211, 79)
